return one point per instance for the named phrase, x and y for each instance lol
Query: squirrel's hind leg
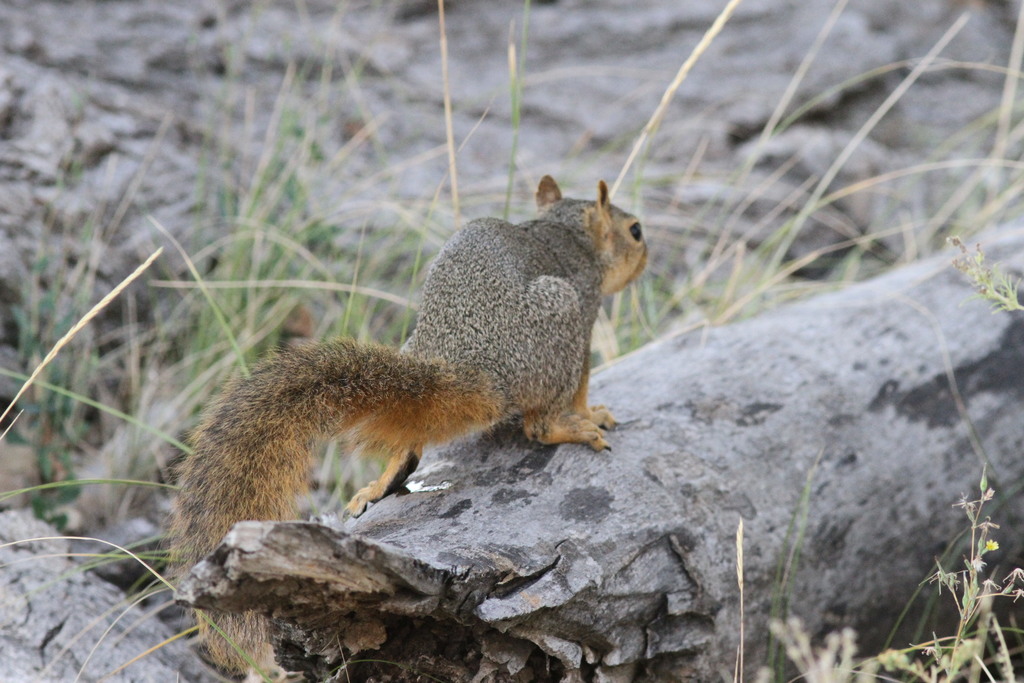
(398, 469)
(599, 415)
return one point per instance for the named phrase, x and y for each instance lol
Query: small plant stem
(738, 676)
(449, 129)
(515, 68)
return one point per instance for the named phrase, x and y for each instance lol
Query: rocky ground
(113, 112)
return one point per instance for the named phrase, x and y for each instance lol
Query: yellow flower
(991, 545)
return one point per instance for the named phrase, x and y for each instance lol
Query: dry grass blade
(145, 565)
(217, 312)
(1010, 89)
(449, 131)
(296, 284)
(3, 434)
(798, 77)
(888, 104)
(666, 98)
(154, 648)
(93, 312)
(813, 202)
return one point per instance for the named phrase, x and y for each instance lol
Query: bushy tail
(253, 445)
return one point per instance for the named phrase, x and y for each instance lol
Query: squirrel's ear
(547, 193)
(602, 195)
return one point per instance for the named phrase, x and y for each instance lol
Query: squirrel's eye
(635, 231)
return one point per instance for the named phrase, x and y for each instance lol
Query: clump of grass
(964, 653)
(67, 489)
(789, 561)
(976, 649)
(751, 237)
(990, 282)
(53, 441)
(834, 662)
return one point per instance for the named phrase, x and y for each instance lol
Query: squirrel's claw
(357, 505)
(599, 444)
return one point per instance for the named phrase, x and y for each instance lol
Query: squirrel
(503, 331)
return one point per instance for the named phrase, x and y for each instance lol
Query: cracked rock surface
(59, 622)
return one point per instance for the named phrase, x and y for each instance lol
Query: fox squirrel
(503, 330)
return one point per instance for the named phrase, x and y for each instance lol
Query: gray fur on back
(517, 301)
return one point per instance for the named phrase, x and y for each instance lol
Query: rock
(58, 622)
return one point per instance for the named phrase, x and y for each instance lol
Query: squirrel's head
(617, 236)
